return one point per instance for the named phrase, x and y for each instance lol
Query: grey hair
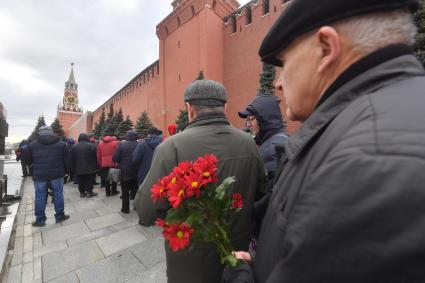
(373, 31)
(205, 109)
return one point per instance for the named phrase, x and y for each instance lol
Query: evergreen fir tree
(40, 123)
(58, 129)
(420, 37)
(182, 120)
(118, 119)
(110, 126)
(124, 127)
(143, 123)
(98, 129)
(267, 78)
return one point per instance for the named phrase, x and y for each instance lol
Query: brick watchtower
(69, 111)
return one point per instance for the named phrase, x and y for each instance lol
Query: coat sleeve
(162, 164)
(99, 155)
(138, 153)
(357, 215)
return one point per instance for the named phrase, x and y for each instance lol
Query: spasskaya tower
(68, 110)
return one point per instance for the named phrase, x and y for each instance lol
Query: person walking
(123, 155)
(208, 131)
(23, 146)
(50, 158)
(142, 155)
(105, 150)
(348, 205)
(266, 124)
(84, 161)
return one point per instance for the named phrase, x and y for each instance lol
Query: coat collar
(370, 73)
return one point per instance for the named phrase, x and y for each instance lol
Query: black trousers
(104, 180)
(85, 183)
(129, 190)
(25, 169)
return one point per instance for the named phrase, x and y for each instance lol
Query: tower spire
(71, 84)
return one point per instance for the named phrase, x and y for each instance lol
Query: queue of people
(340, 200)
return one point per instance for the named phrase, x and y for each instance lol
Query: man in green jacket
(208, 131)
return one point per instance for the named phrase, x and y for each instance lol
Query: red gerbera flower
(178, 236)
(176, 192)
(207, 167)
(183, 168)
(159, 190)
(237, 201)
(193, 183)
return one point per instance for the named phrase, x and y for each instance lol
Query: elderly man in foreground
(349, 204)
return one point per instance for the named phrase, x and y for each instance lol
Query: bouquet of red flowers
(201, 208)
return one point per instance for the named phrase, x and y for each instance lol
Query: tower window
(193, 10)
(178, 21)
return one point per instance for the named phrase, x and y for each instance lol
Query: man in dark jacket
(23, 146)
(265, 121)
(84, 161)
(209, 131)
(142, 156)
(349, 203)
(49, 157)
(123, 155)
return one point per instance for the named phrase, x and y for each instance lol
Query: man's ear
(189, 111)
(330, 46)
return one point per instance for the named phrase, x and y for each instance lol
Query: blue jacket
(123, 155)
(49, 156)
(142, 155)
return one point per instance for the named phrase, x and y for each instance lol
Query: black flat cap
(301, 16)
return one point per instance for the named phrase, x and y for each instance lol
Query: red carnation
(178, 235)
(237, 201)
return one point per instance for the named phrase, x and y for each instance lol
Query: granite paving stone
(50, 248)
(65, 232)
(117, 268)
(15, 274)
(62, 262)
(156, 274)
(67, 278)
(150, 252)
(89, 236)
(104, 221)
(119, 241)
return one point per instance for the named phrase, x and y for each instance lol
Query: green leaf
(221, 191)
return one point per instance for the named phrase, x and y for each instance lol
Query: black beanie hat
(301, 16)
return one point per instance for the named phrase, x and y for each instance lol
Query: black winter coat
(142, 156)
(349, 203)
(84, 158)
(49, 157)
(123, 155)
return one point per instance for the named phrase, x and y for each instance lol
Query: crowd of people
(52, 162)
(340, 200)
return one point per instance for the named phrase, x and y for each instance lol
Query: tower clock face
(70, 99)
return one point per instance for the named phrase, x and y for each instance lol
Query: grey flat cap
(205, 92)
(45, 131)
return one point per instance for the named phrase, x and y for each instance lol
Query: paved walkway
(97, 244)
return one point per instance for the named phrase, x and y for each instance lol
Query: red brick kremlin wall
(195, 37)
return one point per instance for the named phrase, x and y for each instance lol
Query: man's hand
(243, 256)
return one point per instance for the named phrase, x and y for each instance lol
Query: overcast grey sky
(110, 41)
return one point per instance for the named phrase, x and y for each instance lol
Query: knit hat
(205, 92)
(45, 131)
(301, 16)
